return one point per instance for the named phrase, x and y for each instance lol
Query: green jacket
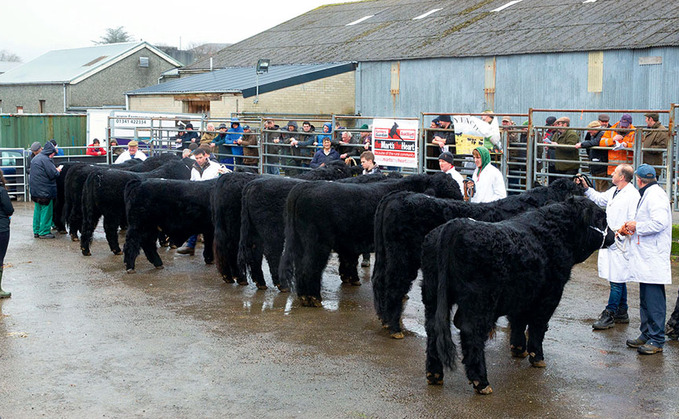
(569, 137)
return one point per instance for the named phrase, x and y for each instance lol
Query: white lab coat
(613, 261)
(125, 156)
(490, 186)
(652, 240)
(458, 178)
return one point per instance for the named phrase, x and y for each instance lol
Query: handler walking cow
(532, 258)
(621, 204)
(649, 250)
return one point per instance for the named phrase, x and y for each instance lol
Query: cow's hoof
(262, 287)
(173, 246)
(131, 271)
(518, 352)
(75, 239)
(356, 283)
(483, 391)
(536, 363)
(62, 231)
(228, 279)
(160, 267)
(310, 301)
(397, 335)
(209, 262)
(281, 288)
(86, 252)
(117, 252)
(434, 379)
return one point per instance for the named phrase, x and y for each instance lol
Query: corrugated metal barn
(472, 55)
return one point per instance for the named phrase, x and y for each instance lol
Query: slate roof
(462, 28)
(73, 65)
(244, 80)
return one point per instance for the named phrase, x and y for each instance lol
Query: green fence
(21, 130)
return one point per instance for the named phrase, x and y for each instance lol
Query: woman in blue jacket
(234, 136)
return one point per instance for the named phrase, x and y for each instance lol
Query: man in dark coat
(43, 184)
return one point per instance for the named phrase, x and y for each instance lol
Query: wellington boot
(3, 294)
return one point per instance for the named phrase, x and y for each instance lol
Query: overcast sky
(34, 27)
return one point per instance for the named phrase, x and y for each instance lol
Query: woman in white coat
(488, 181)
(651, 240)
(621, 204)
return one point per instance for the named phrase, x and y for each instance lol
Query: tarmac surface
(80, 338)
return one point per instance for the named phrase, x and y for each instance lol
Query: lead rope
(603, 235)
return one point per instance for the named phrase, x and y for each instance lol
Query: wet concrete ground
(81, 338)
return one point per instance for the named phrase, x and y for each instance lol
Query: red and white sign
(395, 142)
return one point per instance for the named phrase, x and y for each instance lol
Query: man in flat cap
(565, 136)
(132, 152)
(654, 139)
(648, 240)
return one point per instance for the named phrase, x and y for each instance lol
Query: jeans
(42, 218)
(191, 242)
(617, 299)
(652, 313)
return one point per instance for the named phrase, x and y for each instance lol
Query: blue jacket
(43, 177)
(321, 137)
(232, 136)
(320, 158)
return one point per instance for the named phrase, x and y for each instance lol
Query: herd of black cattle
(509, 257)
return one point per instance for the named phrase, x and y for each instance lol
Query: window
(41, 106)
(20, 109)
(197, 106)
(595, 72)
(356, 22)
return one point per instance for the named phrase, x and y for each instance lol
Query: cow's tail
(244, 246)
(286, 268)
(90, 211)
(131, 191)
(445, 293)
(379, 270)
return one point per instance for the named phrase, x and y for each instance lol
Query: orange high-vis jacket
(616, 157)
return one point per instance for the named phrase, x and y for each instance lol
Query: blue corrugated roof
(66, 65)
(243, 79)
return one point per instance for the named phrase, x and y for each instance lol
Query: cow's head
(591, 228)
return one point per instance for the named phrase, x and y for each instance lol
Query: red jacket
(93, 150)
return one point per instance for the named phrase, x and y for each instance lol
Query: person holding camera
(621, 204)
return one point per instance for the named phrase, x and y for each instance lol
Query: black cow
(226, 202)
(179, 208)
(74, 180)
(322, 216)
(403, 219)
(263, 224)
(103, 195)
(227, 214)
(58, 216)
(517, 267)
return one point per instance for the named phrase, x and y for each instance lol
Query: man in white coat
(447, 165)
(621, 205)
(651, 240)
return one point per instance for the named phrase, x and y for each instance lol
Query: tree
(5, 55)
(114, 35)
